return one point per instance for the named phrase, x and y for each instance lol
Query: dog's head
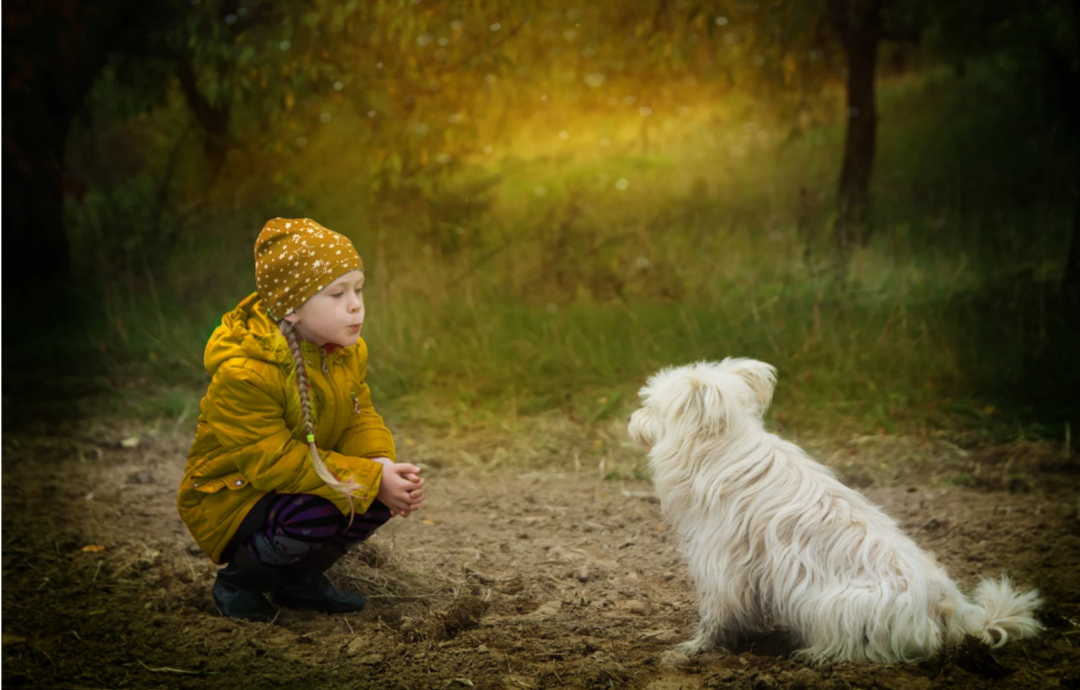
(702, 400)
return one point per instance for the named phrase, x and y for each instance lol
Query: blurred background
(554, 199)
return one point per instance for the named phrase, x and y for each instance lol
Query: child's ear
(292, 317)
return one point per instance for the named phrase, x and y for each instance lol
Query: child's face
(334, 314)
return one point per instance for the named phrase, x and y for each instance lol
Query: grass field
(558, 271)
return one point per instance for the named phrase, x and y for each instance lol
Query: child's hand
(402, 487)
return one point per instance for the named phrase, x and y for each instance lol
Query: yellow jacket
(251, 439)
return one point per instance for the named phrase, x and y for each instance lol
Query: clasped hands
(402, 488)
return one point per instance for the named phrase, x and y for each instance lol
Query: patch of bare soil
(507, 579)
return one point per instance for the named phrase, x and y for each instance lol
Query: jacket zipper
(333, 401)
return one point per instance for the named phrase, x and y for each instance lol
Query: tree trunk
(860, 144)
(214, 121)
(1070, 283)
(859, 25)
(34, 236)
(53, 52)
(1062, 87)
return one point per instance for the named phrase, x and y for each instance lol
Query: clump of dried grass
(421, 602)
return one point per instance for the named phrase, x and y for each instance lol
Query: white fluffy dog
(773, 537)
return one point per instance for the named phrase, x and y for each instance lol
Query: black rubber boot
(305, 586)
(238, 590)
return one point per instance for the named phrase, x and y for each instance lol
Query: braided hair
(350, 488)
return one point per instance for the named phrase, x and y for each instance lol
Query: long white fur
(772, 537)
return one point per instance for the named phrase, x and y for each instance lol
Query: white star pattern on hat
(308, 262)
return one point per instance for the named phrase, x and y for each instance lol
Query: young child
(291, 464)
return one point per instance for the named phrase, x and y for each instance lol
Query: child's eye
(335, 295)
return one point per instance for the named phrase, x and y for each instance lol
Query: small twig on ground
(615, 651)
(166, 669)
(298, 676)
(351, 632)
(1031, 662)
(194, 577)
(45, 653)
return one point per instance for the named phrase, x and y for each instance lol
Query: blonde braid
(349, 488)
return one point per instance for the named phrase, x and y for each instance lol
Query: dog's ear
(761, 378)
(697, 404)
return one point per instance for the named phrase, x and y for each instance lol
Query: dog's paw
(673, 657)
(694, 646)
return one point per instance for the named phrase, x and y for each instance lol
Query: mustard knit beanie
(295, 258)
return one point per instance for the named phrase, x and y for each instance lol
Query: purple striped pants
(294, 524)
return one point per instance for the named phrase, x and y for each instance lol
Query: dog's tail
(998, 614)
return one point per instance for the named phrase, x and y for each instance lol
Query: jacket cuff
(363, 471)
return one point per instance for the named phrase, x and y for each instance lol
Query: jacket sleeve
(367, 435)
(249, 422)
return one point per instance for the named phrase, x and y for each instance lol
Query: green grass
(853, 363)
(567, 300)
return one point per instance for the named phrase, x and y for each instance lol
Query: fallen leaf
(93, 548)
(130, 442)
(427, 521)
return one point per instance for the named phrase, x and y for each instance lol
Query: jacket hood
(246, 331)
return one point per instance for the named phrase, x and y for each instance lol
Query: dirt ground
(509, 578)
